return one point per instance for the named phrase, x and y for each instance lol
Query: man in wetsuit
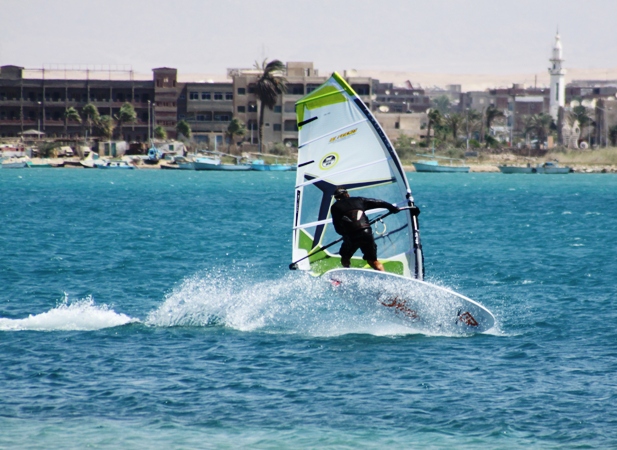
(350, 221)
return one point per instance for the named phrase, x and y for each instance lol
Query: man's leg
(376, 265)
(347, 250)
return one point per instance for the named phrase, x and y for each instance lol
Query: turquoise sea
(155, 309)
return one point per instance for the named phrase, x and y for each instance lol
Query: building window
(218, 96)
(241, 109)
(241, 91)
(221, 117)
(276, 127)
(194, 95)
(252, 107)
(311, 87)
(251, 89)
(206, 96)
(295, 89)
(291, 125)
(361, 89)
(277, 108)
(229, 95)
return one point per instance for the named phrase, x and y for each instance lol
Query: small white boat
(552, 168)
(207, 163)
(114, 165)
(15, 163)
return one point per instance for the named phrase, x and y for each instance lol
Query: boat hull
(514, 169)
(435, 168)
(270, 168)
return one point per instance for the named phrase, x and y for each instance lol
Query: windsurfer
(350, 221)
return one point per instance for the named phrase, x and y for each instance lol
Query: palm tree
(126, 115)
(160, 133)
(490, 115)
(442, 104)
(70, 114)
(268, 87)
(434, 119)
(235, 128)
(540, 125)
(184, 129)
(454, 122)
(91, 116)
(106, 126)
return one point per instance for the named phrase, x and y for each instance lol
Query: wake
(81, 315)
(295, 304)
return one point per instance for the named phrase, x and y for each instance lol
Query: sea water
(155, 309)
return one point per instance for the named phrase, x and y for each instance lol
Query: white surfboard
(410, 302)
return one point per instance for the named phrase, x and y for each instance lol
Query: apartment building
(280, 122)
(37, 101)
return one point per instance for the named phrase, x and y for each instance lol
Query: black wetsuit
(350, 221)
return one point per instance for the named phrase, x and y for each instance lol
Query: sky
(456, 37)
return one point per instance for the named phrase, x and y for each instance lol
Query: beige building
(410, 124)
(280, 122)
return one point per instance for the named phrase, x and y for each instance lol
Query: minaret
(558, 75)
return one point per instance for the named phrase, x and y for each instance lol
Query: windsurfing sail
(341, 144)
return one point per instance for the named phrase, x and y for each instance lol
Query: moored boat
(114, 165)
(261, 166)
(206, 163)
(517, 169)
(547, 168)
(15, 163)
(434, 166)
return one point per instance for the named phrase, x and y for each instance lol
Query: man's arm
(373, 203)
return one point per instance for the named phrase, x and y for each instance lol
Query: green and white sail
(341, 144)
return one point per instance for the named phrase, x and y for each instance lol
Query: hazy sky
(204, 36)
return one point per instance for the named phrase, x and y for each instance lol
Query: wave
(296, 304)
(81, 315)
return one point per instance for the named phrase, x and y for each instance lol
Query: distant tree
(125, 116)
(70, 114)
(454, 121)
(91, 116)
(268, 87)
(236, 128)
(106, 126)
(404, 146)
(279, 149)
(442, 104)
(540, 126)
(434, 119)
(160, 133)
(612, 134)
(490, 115)
(183, 129)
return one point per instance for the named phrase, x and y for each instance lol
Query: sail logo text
(343, 135)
